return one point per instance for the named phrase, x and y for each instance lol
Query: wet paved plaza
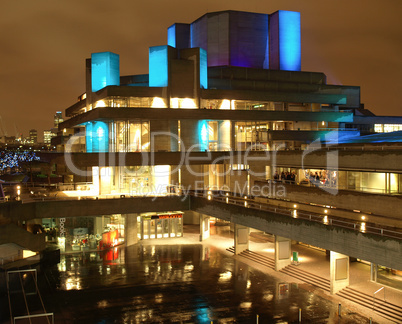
(163, 282)
(180, 280)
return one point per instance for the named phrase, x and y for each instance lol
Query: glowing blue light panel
(88, 137)
(172, 36)
(100, 137)
(203, 135)
(158, 66)
(105, 70)
(289, 41)
(203, 69)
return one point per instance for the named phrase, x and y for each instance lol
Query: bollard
(257, 319)
(299, 315)
(339, 310)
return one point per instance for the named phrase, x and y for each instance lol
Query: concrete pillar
(131, 229)
(98, 225)
(161, 139)
(189, 133)
(283, 254)
(204, 227)
(241, 238)
(373, 272)
(205, 253)
(339, 271)
(190, 217)
(224, 135)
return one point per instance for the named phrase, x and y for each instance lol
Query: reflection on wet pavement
(177, 283)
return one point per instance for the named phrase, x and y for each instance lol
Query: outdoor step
(363, 301)
(303, 274)
(307, 273)
(379, 304)
(257, 258)
(312, 281)
(309, 281)
(307, 277)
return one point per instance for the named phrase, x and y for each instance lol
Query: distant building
(58, 118)
(33, 136)
(48, 135)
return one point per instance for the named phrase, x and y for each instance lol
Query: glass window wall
(127, 136)
(89, 233)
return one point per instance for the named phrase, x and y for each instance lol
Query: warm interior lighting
(225, 104)
(184, 103)
(27, 253)
(188, 103)
(159, 103)
(100, 104)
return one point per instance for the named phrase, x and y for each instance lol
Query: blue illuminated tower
(284, 41)
(105, 70)
(244, 39)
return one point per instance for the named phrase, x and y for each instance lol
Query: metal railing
(362, 227)
(376, 292)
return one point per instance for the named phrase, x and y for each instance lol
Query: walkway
(311, 259)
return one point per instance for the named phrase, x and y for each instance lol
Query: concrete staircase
(256, 257)
(382, 308)
(387, 310)
(290, 270)
(307, 277)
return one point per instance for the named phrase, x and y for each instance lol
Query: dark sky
(44, 45)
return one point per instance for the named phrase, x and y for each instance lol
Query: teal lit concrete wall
(105, 70)
(96, 137)
(158, 66)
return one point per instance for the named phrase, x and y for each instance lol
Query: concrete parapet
(12, 233)
(381, 250)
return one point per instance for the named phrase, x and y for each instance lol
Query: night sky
(44, 45)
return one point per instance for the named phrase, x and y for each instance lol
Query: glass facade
(163, 225)
(87, 233)
(132, 180)
(133, 102)
(126, 136)
(375, 182)
(387, 128)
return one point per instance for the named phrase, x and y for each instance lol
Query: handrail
(382, 288)
(363, 227)
(310, 216)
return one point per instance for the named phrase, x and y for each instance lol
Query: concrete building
(227, 107)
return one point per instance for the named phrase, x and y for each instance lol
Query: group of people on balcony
(285, 177)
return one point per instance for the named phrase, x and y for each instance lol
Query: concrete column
(204, 227)
(131, 229)
(98, 225)
(283, 254)
(339, 271)
(233, 136)
(241, 238)
(189, 133)
(160, 142)
(205, 253)
(373, 272)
